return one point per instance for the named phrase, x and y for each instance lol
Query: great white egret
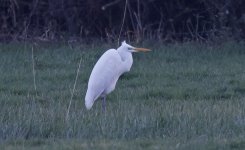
(111, 65)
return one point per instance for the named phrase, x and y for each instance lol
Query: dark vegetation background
(144, 19)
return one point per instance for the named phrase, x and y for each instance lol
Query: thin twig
(124, 15)
(104, 7)
(33, 70)
(131, 17)
(73, 90)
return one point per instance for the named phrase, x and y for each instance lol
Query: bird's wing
(104, 73)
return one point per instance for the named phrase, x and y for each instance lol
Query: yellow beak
(141, 49)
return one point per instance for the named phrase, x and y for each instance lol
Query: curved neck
(126, 57)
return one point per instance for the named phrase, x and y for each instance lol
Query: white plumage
(110, 66)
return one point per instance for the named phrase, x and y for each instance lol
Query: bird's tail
(89, 101)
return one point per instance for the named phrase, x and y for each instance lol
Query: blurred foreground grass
(179, 96)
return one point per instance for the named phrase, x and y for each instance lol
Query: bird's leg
(104, 103)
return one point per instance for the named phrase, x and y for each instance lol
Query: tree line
(131, 19)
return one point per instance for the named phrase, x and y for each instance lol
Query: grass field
(179, 96)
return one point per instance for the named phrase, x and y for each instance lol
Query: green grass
(179, 96)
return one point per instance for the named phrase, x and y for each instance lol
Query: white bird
(111, 65)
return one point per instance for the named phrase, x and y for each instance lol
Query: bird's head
(130, 48)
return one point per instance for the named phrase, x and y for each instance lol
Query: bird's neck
(127, 60)
(125, 55)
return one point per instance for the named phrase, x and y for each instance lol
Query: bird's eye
(130, 48)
